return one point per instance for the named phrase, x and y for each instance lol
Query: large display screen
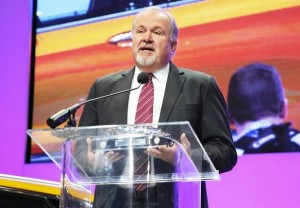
(79, 41)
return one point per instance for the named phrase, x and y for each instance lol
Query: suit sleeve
(215, 131)
(88, 118)
(89, 114)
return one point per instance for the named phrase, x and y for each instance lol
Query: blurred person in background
(257, 108)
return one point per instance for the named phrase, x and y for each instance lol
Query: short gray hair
(174, 28)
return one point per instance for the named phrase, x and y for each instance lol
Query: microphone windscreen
(142, 78)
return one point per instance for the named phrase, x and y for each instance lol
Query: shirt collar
(253, 125)
(160, 74)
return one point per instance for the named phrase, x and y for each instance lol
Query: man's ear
(173, 47)
(284, 109)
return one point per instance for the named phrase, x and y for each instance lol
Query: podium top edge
(115, 126)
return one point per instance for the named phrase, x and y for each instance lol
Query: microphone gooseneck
(66, 114)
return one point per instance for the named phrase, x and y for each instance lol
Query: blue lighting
(55, 9)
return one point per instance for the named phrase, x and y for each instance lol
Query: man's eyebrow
(138, 26)
(154, 28)
(158, 27)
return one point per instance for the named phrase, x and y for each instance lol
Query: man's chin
(145, 61)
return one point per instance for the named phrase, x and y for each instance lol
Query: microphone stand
(71, 120)
(69, 114)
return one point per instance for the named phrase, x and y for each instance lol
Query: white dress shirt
(159, 81)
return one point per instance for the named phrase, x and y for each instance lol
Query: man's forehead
(153, 20)
(152, 15)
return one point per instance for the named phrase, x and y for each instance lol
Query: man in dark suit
(179, 95)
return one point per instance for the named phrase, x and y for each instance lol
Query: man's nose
(148, 37)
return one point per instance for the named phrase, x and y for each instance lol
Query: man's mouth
(145, 48)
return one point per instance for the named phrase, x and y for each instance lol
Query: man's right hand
(99, 159)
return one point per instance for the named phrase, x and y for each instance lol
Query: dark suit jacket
(189, 96)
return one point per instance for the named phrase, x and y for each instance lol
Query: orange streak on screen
(192, 14)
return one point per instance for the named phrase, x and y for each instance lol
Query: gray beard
(145, 61)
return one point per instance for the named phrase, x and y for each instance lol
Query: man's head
(154, 38)
(255, 91)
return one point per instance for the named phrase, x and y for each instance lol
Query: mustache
(147, 46)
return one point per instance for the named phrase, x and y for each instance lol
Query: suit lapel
(173, 89)
(122, 99)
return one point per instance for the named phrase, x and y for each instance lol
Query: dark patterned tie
(144, 114)
(144, 111)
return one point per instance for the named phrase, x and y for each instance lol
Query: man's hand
(170, 154)
(186, 144)
(97, 160)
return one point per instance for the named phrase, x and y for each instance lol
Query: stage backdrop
(216, 37)
(262, 180)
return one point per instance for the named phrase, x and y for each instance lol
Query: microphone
(64, 114)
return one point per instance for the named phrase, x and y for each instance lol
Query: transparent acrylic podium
(114, 176)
